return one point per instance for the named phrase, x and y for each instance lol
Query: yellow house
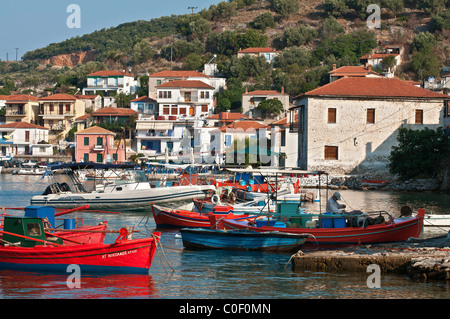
(21, 108)
(57, 112)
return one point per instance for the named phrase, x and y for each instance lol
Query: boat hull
(178, 218)
(129, 256)
(398, 230)
(137, 199)
(241, 240)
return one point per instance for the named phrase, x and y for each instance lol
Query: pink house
(96, 144)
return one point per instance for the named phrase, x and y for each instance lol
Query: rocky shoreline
(424, 259)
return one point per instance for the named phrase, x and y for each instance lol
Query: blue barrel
(69, 223)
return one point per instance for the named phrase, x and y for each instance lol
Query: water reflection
(16, 284)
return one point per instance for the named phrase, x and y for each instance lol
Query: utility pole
(192, 8)
(17, 50)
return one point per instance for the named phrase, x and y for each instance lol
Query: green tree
(396, 6)
(388, 62)
(263, 21)
(269, 107)
(142, 51)
(431, 6)
(331, 28)
(192, 62)
(296, 36)
(284, 8)
(419, 153)
(335, 8)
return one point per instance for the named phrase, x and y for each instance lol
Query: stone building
(350, 125)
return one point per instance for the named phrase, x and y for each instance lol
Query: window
(419, 117)
(166, 109)
(182, 111)
(34, 229)
(331, 115)
(100, 141)
(67, 107)
(115, 157)
(99, 158)
(50, 107)
(174, 110)
(86, 157)
(202, 94)
(86, 141)
(331, 152)
(204, 108)
(370, 116)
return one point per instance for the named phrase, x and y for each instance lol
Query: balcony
(98, 148)
(57, 127)
(15, 113)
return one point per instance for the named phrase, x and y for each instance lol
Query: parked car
(14, 163)
(43, 164)
(30, 163)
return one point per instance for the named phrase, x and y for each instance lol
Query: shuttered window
(331, 115)
(419, 116)
(370, 116)
(331, 152)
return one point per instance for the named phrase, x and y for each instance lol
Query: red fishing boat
(336, 232)
(26, 247)
(74, 231)
(178, 218)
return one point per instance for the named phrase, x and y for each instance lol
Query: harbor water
(177, 273)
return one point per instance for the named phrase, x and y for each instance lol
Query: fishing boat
(73, 230)
(28, 171)
(133, 191)
(25, 246)
(166, 217)
(436, 220)
(199, 238)
(338, 230)
(332, 229)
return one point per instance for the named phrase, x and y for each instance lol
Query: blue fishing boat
(200, 238)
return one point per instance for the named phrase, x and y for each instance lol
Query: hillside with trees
(311, 36)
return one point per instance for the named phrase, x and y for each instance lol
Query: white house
(21, 138)
(144, 105)
(375, 60)
(350, 125)
(268, 53)
(184, 98)
(110, 83)
(162, 77)
(222, 142)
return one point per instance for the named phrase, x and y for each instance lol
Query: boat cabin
(25, 232)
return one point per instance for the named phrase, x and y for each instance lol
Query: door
(61, 109)
(27, 136)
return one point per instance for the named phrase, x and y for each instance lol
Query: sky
(27, 25)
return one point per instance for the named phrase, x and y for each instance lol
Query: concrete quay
(419, 259)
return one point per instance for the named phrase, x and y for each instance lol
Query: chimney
(369, 67)
(334, 67)
(282, 89)
(246, 90)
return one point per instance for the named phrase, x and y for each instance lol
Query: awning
(154, 125)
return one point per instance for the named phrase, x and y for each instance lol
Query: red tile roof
(244, 126)
(185, 84)
(256, 50)
(264, 92)
(178, 74)
(95, 130)
(114, 111)
(4, 97)
(59, 97)
(111, 73)
(22, 125)
(380, 87)
(86, 97)
(22, 98)
(143, 99)
(352, 71)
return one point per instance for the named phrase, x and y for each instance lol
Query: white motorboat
(131, 192)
